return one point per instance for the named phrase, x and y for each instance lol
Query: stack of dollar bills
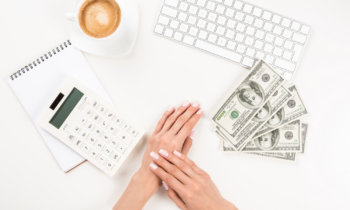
(263, 116)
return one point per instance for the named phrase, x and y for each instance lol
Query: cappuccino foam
(99, 18)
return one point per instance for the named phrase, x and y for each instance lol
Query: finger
(170, 168)
(174, 197)
(189, 162)
(184, 117)
(187, 144)
(189, 125)
(179, 164)
(162, 121)
(169, 179)
(172, 118)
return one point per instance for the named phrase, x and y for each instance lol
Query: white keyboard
(235, 30)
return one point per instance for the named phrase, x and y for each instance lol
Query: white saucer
(116, 45)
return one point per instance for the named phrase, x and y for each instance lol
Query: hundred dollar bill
(277, 101)
(304, 130)
(245, 102)
(294, 109)
(283, 139)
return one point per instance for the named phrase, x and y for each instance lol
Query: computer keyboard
(235, 30)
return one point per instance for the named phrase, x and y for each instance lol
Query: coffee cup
(98, 19)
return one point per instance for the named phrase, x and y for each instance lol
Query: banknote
(304, 130)
(277, 101)
(294, 109)
(283, 139)
(250, 96)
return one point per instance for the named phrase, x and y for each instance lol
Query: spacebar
(218, 51)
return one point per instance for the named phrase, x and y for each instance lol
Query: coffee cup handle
(71, 17)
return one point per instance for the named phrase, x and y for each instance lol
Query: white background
(159, 73)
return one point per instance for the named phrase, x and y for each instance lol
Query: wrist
(147, 180)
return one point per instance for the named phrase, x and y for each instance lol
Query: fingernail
(191, 134)
(195, 104)
(170, 108)
(165, 185)
(153, 166)
(185, 104)
(199, 111)
(154, 155)
(163, 152)
(177, 153)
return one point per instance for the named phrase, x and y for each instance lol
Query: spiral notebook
(35, 83)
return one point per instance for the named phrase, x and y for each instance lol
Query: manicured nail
(153, 166)
(177, 153)
(163, 152)
(165, 186)
(199, 111)
(191, 134)
(195, 104)
(170, 109)
(154, 155)
(185, 104)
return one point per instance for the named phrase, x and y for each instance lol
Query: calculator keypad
(102, 134)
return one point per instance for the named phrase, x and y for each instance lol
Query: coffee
(99, 18)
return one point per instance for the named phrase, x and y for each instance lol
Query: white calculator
(90, 125)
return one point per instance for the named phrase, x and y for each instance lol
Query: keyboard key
(101, 159)
(228, 2)
(86, 148)
(277, 30)
(220, 30)
(84, 134)
(258, 44)
(268, 48)
(266, 15)
(110, 115)
(250, 31)
(250, 52)
(203, 35)
(174, 24)
(297, 52)
(107, 151)
(238, 5)
(286, 22)
(287, 55)
(284, 64)
(168, 32)
(239, 16)
(71, 137)
(287, 33)
(212, 38)
(184, 27)
(211, 27)
(249, 19)
(241, 48)
(218, 51)
(90, 126)
(201, 23)
(178, 36)
(113, 143)
(98, 131)
(229, 12)
(257, 12)
(248, 62)
(288, 45)
(230, 34)
(269, 59)
(305, 29)
(259, 55)
(96, 117)
(277, 51)
(109, 165)
(231, 45)
(172, 3)
(295, 26)
(163, 20)
(221, 20)
(118, 120)
(159, 29)
(247, 8)
(268, 26)
(106, 137)
(258, 23)
(299, 38)
(93, 153)
(95, 104)
(211, 5)
(116, 157)
(240, 27)
(202, 13)
(121, 148)
(239, 37)
(82, 120)
(259, 34)
(269, 37)
(92, 139)
(78, 143)
(88, 111)
(212, 16)
(104, 123)
(201, 3)
(187, 40)
(77, 128)
(193, 10)
(182, 16)
(231, 24)
(100, 145)
(183, 6)
(192, 20)
(133, 132)
(279, 41)
(220, 9)
(249, 41)
(169, 11)
(222, 42)
(122, 136)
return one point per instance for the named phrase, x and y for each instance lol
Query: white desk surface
(159, 73)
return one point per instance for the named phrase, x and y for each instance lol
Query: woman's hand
(187, 185)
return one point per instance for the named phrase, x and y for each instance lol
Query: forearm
(140, 189)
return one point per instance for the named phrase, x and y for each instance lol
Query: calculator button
(98, 131)
(96, 117)
(102, 109)
(104, 123)
(118, 120)
(90, 126)
(83, 120)
(92, 139)
(95, 104)
(107, 151)
(110, 165)
(86, 148)
(126, 139)
(102, 159)
(116, 156)
(111, 128)
(93, 153)
(78, 142)
(113, 143)
(71, 137)
(110, 115)
(126, 126)
(84, 134)
(121, 148)
(100, 145)
(106, 137)
(77, 128)
(88, 112)
(133, 132)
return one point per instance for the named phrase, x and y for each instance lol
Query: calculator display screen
(66, 108)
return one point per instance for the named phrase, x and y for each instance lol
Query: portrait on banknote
(264, 113)
(276, 119)
(268, 141)
(251, 95)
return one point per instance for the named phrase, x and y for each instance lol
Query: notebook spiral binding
(39, 60)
